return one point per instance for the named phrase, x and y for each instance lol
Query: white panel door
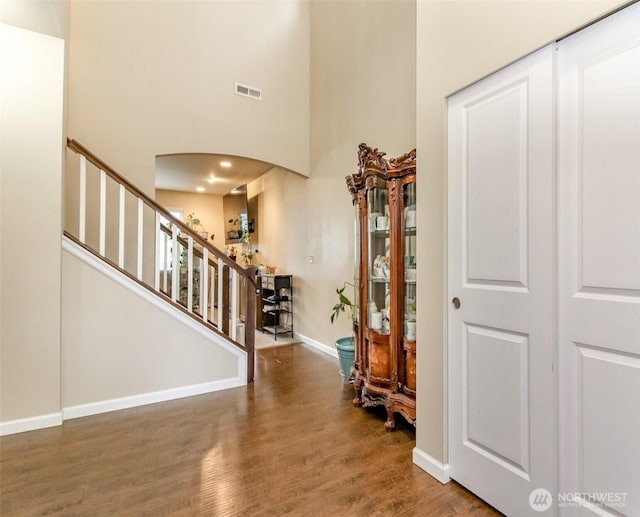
(599, 267)
(501, 259)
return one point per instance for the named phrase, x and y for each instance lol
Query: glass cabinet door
(409, 194)
(379, 257)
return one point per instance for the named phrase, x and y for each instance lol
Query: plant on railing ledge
(247, 254)
(247, 257)
(193, 223)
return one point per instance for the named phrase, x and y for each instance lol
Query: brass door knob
(456, 302)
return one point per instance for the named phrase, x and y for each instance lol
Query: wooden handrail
(216, 257)
(80, 149)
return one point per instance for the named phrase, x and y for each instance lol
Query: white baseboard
(431, 466)
(320, 346)
(105, 406)
(30, 424)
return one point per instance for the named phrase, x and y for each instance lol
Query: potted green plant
(193, 223)
(247, 253)
(196, 225)
(345, 345)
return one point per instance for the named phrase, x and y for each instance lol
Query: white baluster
(103, 211)
(175, 266)
(159, 249)
(234, 304)
(190, 273)
(213, 293)
(165, 251)
(83, 199)
(140, 239)
(204, 276)
(220, 269)
(121, 229)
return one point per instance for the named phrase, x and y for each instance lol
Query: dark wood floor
(290, 444)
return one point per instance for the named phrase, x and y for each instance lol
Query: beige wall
(30, 223)
(280, 205)
(458, 43)
(49, 17)
(206, 207)
(152, 78)
(117, 344)
(362, 90)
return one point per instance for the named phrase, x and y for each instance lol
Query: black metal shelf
(275, 314)
(277, 329)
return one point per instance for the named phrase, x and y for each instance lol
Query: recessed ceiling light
(212, 180)
(225, 164)
(200, 189)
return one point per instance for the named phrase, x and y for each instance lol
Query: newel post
(250, 320)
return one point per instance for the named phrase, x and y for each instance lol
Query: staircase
(121, 226)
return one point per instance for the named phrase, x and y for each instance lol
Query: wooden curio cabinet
(384, 194)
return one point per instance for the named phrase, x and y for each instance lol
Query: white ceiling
(186, 172)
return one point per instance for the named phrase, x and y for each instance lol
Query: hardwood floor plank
(290, 444)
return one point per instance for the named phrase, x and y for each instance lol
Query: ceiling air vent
(249, 91)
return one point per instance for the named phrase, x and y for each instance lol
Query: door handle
(456, 302)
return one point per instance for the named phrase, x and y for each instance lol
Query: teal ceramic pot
(346, 354)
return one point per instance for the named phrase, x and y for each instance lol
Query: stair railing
(188, 272)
